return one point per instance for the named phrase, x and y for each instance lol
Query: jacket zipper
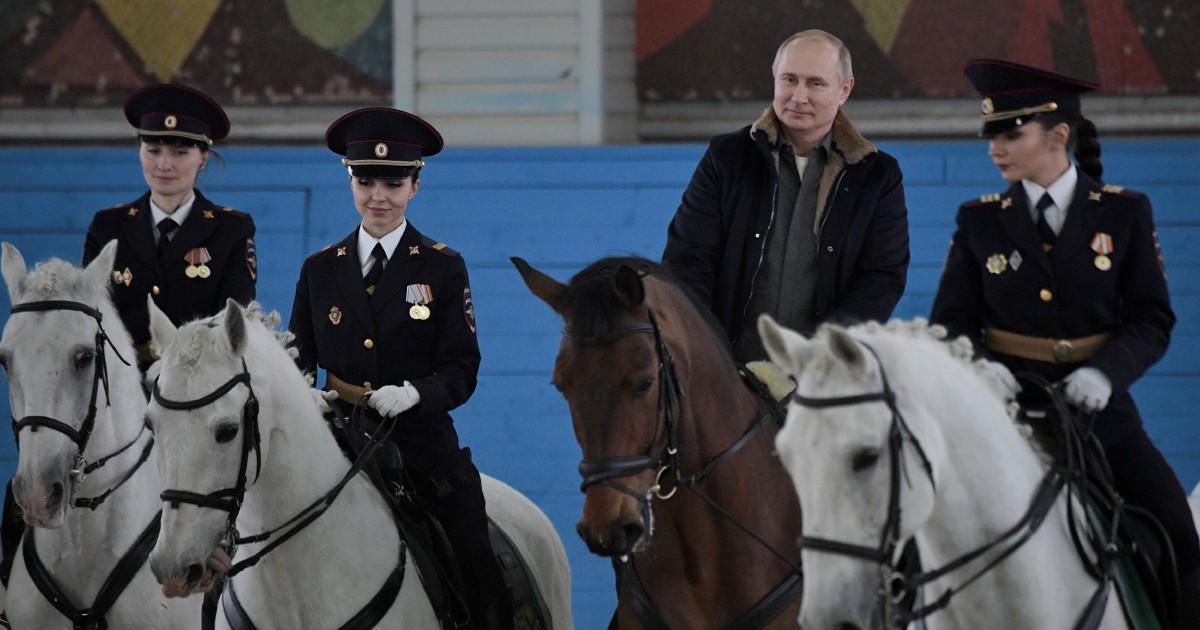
(762, 250)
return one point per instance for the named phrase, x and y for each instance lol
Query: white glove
(322, 398)
(999, 373)
(393, 400)
(1088, 389)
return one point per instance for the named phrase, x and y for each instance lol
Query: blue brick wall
(560, 209)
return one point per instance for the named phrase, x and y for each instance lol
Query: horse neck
(302, 461)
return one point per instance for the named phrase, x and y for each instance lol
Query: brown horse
(682, 486)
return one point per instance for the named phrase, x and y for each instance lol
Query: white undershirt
(366, 244)
(1062, 191)
(179, 216)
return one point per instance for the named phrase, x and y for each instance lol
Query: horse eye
(84, 359)
(865, 459)
(226, 433)
(643, 387)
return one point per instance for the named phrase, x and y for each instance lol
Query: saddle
(427, 542)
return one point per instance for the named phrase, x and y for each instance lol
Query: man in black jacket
(796, 215)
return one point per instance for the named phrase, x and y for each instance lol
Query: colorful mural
(73, 53)
(721, 50)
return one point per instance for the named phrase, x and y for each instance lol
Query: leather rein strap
(605, 471)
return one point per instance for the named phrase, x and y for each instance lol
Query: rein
(895, 582)
(605, 470)
(83, 434)
(230, 499)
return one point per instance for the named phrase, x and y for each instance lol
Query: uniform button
(367, 384)
(1046, 295)
(155, 290)
(829, 249)
(368, 344)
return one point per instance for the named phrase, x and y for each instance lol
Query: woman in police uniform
(1062, 276)
(388, 311)
(190, 254)
(174, 244)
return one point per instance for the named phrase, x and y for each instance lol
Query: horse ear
(548, 289)
(162, 330)
(846, 349)
(785, 347)
(235, 326)
(628, 285)
(97, 271)
(12, 265)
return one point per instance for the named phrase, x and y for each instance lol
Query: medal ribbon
(419, 294)
(1102, 243)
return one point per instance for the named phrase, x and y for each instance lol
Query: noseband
(897, 582)
(81, 436)
(670, 393)
(228, 500)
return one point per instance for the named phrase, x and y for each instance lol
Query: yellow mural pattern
(162, 33)
(882, 19)
(332, 23)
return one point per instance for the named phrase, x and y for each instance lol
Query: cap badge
(170, 122)
(986, 106)
(381, 150)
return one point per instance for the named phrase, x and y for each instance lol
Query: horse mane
(593, 308)
(58, 279)
(196, 339)
(962, 351)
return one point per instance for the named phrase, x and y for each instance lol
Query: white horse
(334, 565)
(57, 363)
(950, 461)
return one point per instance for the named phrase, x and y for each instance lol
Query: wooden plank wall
(524, 72)
(561, 208)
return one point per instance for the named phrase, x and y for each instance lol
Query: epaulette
(992, 198)
(121, 209)
(234, 211)
(1118, 190)
(322, 251)
(437, 246)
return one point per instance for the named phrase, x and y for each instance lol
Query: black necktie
(376, 272)
(1043, 226)
(165, 228)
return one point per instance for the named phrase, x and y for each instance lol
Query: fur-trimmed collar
(846, 139)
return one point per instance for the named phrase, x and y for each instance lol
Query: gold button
(368, 344)
(1046, 295)
(155, 290)
(367, 385)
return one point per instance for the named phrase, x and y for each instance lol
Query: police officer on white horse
(388, 311)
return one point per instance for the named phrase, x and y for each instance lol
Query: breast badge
(335, 316)
(1102, 245)
(419, 295)
(197, 259)
(122, 277)
(997, 263)
(1014, 260)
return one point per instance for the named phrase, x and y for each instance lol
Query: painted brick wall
(560, 209)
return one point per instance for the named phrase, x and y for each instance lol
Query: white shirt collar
(390, 241)
(1062, 191)
(179, 216)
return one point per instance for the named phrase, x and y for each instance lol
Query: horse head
(55, 350)
(616, 370)
(851, 451)
(204, 414)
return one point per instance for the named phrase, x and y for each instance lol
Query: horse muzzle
(43, 501)
(611, 528)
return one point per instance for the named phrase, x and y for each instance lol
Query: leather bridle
(227, 500)
(897, 582)
(81, 468)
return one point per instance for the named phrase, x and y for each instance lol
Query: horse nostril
(56, 492)
(194, 574)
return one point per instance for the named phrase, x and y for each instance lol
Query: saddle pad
(529, 607)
